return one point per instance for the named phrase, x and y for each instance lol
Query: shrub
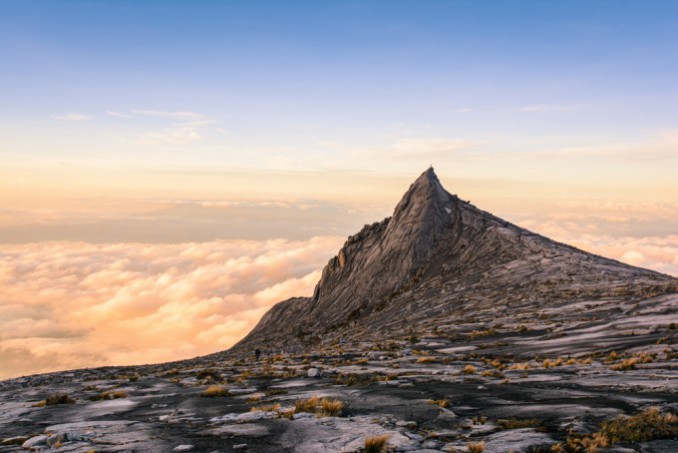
(439, 403)
(214, 391)
(355, 379)
(208, 373)
(548, 363)
(648, 425)
(476, 448)
(514, 423)
(306, 404)
(469, 369)
(58, 398)
(266, 408)
(376, 444)
(109, 395)
(427, 360)
(272, 392)
(520, 366)
(330, 407)
(323, 407)
(625, 365)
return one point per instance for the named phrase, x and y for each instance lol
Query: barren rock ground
(443, 328)
(437, 393)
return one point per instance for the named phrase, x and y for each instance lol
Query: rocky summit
(440, 328)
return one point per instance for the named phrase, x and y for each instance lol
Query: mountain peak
(425, 197)
(438, 258)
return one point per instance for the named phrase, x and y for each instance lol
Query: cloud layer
(66, 305)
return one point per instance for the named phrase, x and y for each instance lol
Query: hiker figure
(257, 353)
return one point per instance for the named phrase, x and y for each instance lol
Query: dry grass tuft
(376, 444)
(214, 391)
(548, 363)
(427, 360)
(515, 423)
(109, 395)
(307, 404)
(330, 407)
(625, 365)
(476, 448)
(469, 369)
(439, 403)
(266, 408)
(648, 425)
(59, 398)
(323, 407)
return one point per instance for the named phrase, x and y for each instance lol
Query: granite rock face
(439, 257)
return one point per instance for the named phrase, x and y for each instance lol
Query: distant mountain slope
(439, 261)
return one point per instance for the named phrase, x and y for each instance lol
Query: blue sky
(540, 92)
(300, 72)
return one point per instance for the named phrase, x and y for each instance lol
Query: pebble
(184, 447)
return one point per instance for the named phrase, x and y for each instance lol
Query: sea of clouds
(66, 305)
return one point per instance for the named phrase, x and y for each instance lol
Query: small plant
(427, 360)
(548, 363)
(439, 403)
(648, 425)
(515, 423)
(272, 392)
(625, 365)
(266, 408)
(330, 407)
(323, 407)
(520, 366)
(376, 444)
(306, 404)
(581, 443)
(469, 369)
(109, 395)
(53, 400)
(288, 414)
(208, 373)
(476, 448)
(215, 391)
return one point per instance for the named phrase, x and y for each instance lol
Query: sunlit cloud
(68, 304)
(183, 115)
(418, 149)
(72, 117)
(118, 114)
(550, 108)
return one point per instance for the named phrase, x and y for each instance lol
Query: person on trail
(257, 353)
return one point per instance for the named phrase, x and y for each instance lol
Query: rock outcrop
(438, 258)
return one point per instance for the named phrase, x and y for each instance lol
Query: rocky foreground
(528, 387)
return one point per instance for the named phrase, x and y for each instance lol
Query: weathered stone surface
(436, 259)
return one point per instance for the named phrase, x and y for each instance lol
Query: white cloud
(416, 149)
(72, 117)
(550, 108)
(118, 114)
(68, 304)
(182, 115)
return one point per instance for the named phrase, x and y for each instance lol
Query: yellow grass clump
(214, 391)
(376, 444)
(469, 369)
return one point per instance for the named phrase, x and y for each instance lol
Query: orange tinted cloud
(67, 305)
